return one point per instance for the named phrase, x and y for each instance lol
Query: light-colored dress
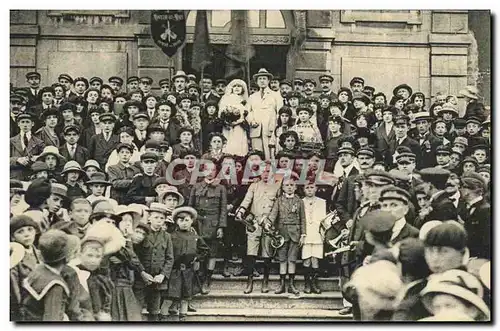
(237, 138)
(315, 210)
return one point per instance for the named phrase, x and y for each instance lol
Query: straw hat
(262, 72)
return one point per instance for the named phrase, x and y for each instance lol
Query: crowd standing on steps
(122, 199)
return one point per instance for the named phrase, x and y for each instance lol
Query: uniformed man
(17, 106)
(116, 83)
(132, 83)
(298, 85)
(259, 201)
(164, 86)
(357, 84)
(141, 189)
(285, 88)
(326, 82)
(66, 81)
(145, 84)
(33, 78)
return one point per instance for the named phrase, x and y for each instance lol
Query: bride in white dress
(233, 111)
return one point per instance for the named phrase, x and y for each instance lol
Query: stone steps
(225, 299)
(239, 283)
(262, 315)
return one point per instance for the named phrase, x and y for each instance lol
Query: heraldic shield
(168, 29)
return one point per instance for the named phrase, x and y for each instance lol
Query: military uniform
(210, 201)
(259, 199)
(140, 188)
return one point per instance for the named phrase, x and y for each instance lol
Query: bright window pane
(220, 17)
(254, 18)
(191, 19)
(274, 19)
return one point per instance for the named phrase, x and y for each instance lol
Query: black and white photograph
(250, 166)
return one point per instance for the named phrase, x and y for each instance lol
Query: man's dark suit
(346, 202)
(100, 149)
(412, 144)
(81, 154)
(385, 145)
(172, 130)
(478, 226)
(35, 147)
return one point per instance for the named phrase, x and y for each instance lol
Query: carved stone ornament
(91, 17)
(254, 39)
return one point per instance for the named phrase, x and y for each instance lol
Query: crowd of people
(122, 199)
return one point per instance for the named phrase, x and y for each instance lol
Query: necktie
(25, 140)
(72, 151)
(262, 94)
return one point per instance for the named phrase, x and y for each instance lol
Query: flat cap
(440, 150)
(132, 79)
(328, 78)
(107, 117)
(368, 151)
(379, 178)
(116, 79)
(436, 176)
(357, 80)
(378, 221)
(394, 193)
(461, 140)
(149, 156)
(473, 181)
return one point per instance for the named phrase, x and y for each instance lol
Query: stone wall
(430, 50)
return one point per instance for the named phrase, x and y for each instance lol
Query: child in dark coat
(156, 257)
(188, 248)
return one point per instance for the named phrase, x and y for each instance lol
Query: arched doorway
(269, 30)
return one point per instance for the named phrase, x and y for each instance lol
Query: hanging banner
(168, 30)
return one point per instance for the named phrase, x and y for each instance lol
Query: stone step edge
(270, 295)
(272, 277)
(262, 312)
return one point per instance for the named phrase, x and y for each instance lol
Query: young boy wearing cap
(141, 188)
(478, 216)
(156, 256)
(47, 293)
(102, 145)
(24, 147)
(288, 217)
(72, 150)
(480, 153)
(122, 174)
(473, 135)
(188, 249)
(141, 123)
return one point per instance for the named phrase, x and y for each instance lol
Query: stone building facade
(432, 51)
